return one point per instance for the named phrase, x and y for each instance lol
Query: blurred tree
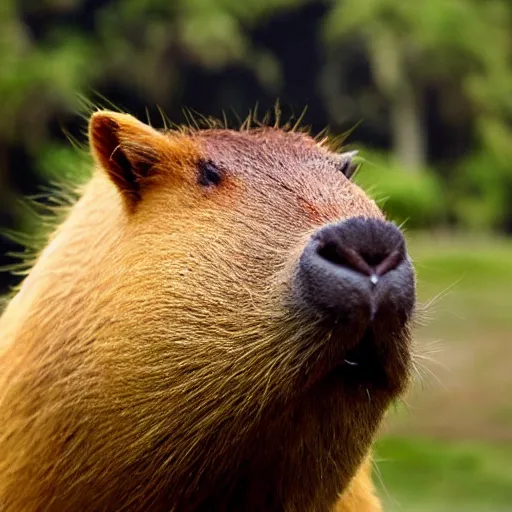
(462, 44)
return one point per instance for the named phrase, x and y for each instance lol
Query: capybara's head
(242, 333)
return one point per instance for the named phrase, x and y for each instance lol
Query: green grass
(475, 274)
(472, 321)
(429, 475)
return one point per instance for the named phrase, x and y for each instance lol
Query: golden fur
(150, 361)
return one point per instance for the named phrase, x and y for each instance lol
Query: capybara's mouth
(365, 362)
(375, 362)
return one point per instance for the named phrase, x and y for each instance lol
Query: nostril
(390, 262)
(344, 256)
(373, 265)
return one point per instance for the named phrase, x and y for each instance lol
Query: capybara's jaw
(356, 280)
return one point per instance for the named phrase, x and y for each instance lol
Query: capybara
(219, 324)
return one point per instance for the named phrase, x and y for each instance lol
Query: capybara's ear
(127, 149)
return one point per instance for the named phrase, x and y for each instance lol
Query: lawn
(422, 475)
(450, 447)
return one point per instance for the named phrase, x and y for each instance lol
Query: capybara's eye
(347, 166)
(209, 175)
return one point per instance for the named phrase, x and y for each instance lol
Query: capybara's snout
(354, 269)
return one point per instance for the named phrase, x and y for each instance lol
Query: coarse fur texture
(153, 358)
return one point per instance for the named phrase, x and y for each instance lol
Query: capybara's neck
(73, 257)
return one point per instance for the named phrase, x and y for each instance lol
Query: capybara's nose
(356, 268)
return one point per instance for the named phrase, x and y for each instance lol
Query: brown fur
(150, 361)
